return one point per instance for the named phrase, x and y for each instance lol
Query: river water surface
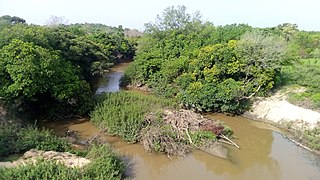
(264, 154)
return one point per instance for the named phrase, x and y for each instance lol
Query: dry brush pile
(175, 132)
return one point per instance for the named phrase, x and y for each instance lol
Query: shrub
(16, 139)
(41, 170)
(105, 165)
(122, 113)
(201, 138)
(305, 73)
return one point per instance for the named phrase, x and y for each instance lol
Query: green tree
(288, 30)
(37, 76)
(208, 68)
(173, 18)
(27, 33)
(264, 55)
(12, 20)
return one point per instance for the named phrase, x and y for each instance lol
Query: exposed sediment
(276, 109)
(33, 155)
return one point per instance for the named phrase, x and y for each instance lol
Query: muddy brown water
(264, 153)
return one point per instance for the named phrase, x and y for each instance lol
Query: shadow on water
(264, 153)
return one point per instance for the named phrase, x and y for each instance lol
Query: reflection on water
(109, 83)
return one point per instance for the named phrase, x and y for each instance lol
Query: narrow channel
(264, 152)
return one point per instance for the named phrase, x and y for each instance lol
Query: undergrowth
(17, 139)
(122, 113)
(105, 164)
(305, 73)
(312, 138)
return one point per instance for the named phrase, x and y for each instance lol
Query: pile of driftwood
(171, 132)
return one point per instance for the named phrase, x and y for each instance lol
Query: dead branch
(226, 138)
(251, 95)
(226, 142)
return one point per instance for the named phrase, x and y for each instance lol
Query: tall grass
(122, 113)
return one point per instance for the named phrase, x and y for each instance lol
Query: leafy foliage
(207, 68)
(201, 138)
(48, 69)
(16, 139)
(305, 73)
(12, 19)
(44, 76)
(106, 164)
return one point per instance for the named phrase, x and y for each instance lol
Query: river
(264, 152)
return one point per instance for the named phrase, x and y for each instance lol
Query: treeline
(47, 70)
(215, 68)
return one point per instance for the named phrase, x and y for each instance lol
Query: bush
(201, 138)
(217, 77)
(41, 170)
(16, 139)
(305, 73)
(122, 113)
(105, 165)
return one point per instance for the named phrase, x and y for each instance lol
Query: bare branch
(251, 95)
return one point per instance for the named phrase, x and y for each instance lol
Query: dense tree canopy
(48, 69)
(205, 67)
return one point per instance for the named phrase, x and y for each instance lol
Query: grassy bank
(105, 164)
(303, 76)
(17, 139)
(308, 137)
(300, 82)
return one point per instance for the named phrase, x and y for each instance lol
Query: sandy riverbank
(276, 109)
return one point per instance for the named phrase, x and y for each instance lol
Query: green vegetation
(16, 139)
(152, 121)
(304, 74)
(59, 64)
(301, 81)
(48, 72)
(161, 137)
(201, 138)
(105, 165)
(312, 138)
(180, 56)
(122, 113)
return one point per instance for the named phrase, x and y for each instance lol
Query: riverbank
(32, 156)
(303, 123)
